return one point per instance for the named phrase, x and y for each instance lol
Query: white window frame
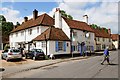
(75, 34)
(43, 44)
(22, 33)
(29, 31)
(16, 34)
(60, 46)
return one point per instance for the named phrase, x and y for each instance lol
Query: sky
(100, 12)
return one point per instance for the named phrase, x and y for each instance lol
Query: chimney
(25, 19)
(35, 14)
(86, 18)
(58, 18)
(109, 31)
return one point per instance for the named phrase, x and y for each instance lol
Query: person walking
(106, 56)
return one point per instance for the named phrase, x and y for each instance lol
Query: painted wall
(65, 28)
(26, 37)
(81, 38)
(103, 41)
(53, 51)
(51, 48)
(115, 43)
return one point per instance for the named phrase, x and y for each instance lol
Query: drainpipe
(71, 42)
(46, 44)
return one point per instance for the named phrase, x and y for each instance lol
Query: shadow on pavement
(17, 60)
(112, 64)
(98, 54)
(2, 69)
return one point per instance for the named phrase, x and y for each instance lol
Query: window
(60, 46)
(103, 46)
(22, 33)
(30, 31)
(75, 48)
(74, 34)
(16, 34)
(67, 44)
(37, 29)
(43, 44)
(103, 39)
(109, 40)
(98, 39)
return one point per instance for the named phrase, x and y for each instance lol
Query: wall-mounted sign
(87, 35)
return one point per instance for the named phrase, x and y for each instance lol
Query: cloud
(11, 15)
(104, 14)
(100, 12)
(14, 15)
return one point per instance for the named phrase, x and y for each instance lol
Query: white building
(115, 40)
(102, 39)
(59, 36)
(29, 29)
(77, 31)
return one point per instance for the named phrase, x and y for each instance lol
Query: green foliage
(7, 46)
(94, 26)
(2, 18)
(7, 27)
(64, 14)
(46, 57)
(98, 27)
(70, 17)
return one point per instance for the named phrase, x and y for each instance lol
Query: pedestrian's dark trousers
(106, 58)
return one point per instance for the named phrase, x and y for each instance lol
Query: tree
(98, 27)
(94, 26)
(2, 18)
(6, 28)
(64, 14)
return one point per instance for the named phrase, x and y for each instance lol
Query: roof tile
(78, 24)
(52, 33)
(43, 19)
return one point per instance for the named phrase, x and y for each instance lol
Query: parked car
(11, 54)
(35, 54)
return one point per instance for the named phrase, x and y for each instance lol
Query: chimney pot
(35, 14)
(57, 9)
(109, 31)
(25, 19)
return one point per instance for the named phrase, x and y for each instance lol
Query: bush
(46, 57)
(7, 46)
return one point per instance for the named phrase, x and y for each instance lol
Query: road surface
(85, 68)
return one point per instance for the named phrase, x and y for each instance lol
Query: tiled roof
(115, 37)
(101, 33)
(43, 19)
(74, 24)
(52, 33)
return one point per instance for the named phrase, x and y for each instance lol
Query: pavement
(9, 70)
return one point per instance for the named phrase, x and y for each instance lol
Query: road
(85, 68)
